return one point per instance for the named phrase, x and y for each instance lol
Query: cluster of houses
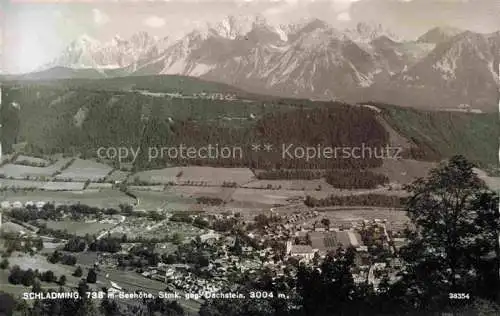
(216, 96)
(145, 228)
(178, 277)
(304, 235)
(181, 95)
(322, 240)
(307, 236)
(284, 229)
(18, 204)
(182, 277)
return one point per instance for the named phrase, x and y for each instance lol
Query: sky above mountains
(34, 32)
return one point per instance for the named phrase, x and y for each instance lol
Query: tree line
(28, 277)
(370, 199)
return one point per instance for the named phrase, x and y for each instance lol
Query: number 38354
(458, 296)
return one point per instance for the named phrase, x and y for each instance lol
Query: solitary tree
(325, 221)
(4, 264)
(447, 245)
(91, 276)
(78, 272)
(62, 280)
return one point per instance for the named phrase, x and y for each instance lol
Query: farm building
(209, 236)
(302, 251)
(323, 242)
(17, 204)
(5, 204)
(40, 204)
(320, 227)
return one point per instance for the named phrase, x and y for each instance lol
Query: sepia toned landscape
(250, 160)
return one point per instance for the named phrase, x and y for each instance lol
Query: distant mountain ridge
(311, 59)
(87, 52)
(439, 34)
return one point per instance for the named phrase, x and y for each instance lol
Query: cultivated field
(31, 160)
(117, 175)
(61, 163)
(151, 201)
(201, 191)
(248, 197)
(162, 176)
(194, 174)
(41, 185)
(78, 228)
(255, 197)
(83, 170)
(271, 197)
(63, 186)
(341, 192)
(216, 176)
(102, 198)
(22, 172)
(154, 188)
(99, 186)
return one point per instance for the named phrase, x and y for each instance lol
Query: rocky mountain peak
(439, 34)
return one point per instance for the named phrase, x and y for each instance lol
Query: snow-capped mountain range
(445, 66)
(87, 52)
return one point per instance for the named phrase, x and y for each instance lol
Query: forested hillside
(444, 134)
(52, 119)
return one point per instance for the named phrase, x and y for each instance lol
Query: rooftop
(299, 249)
(325, 241)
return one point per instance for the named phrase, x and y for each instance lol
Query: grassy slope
(449, 133)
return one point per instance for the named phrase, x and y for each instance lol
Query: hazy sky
(35, 31)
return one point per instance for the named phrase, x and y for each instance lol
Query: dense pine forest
(61, 118)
